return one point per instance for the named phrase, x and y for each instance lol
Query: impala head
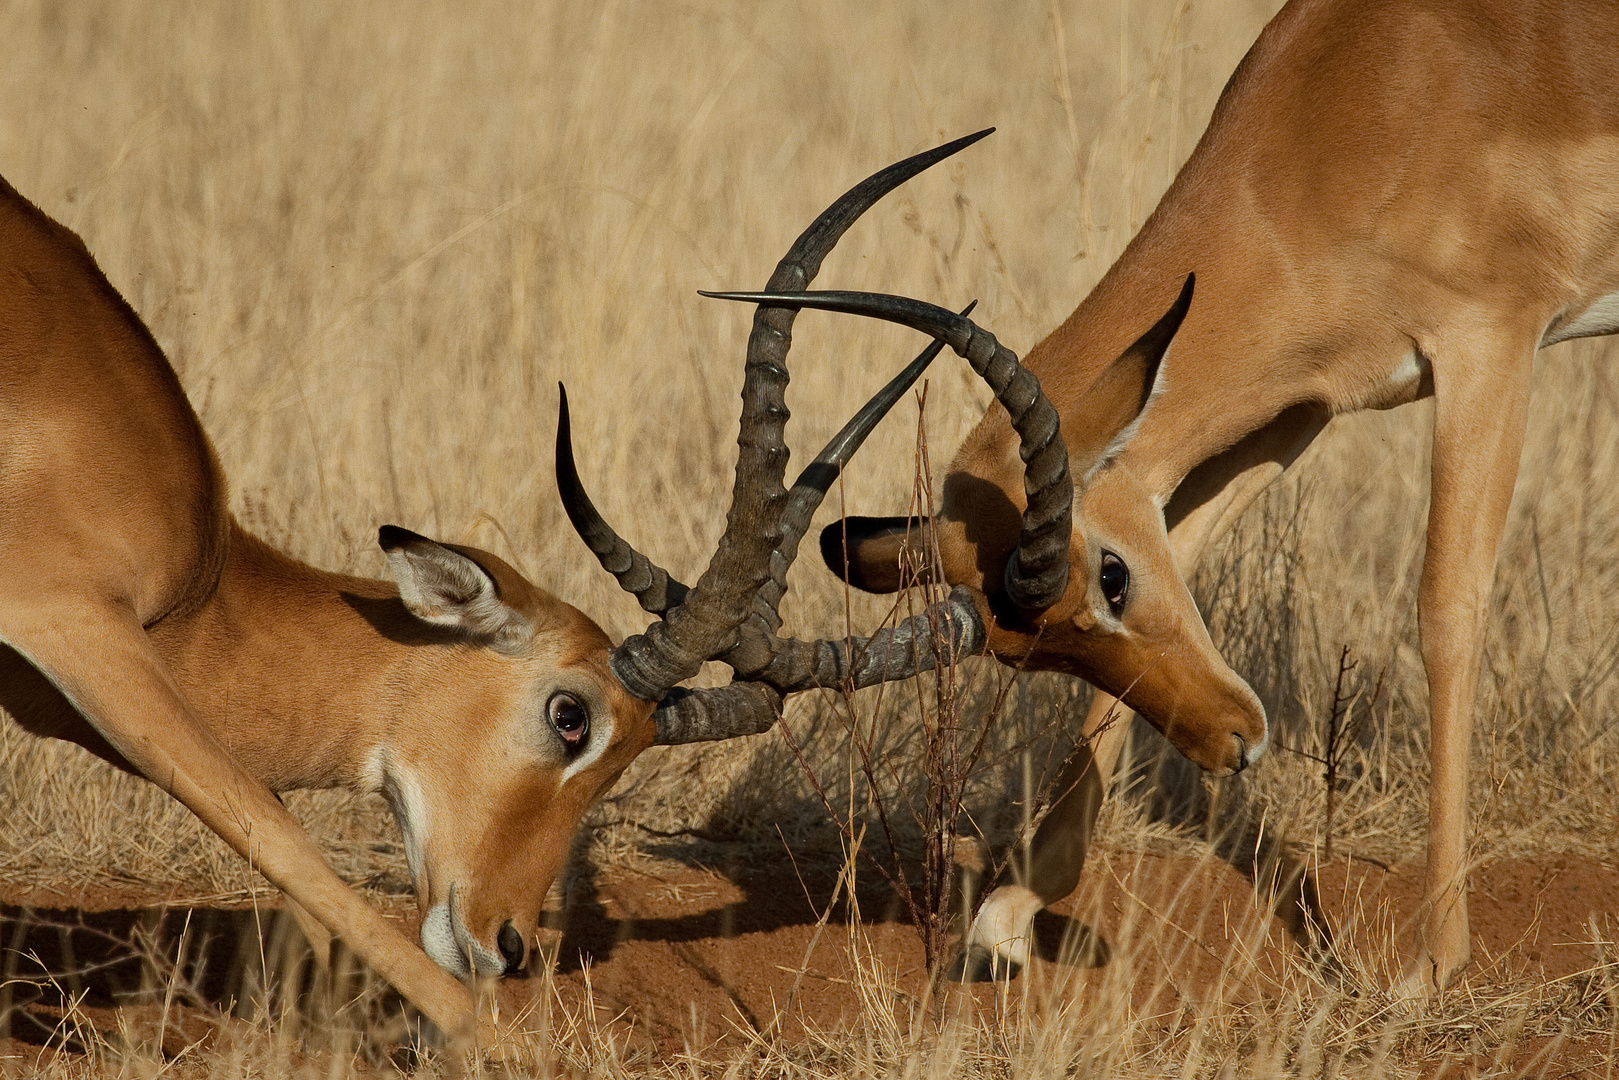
(564, 710)
(1083, 583)
(1128, 624)
(489, 791)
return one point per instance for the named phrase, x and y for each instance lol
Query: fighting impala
(1392, 201)
(138, 620)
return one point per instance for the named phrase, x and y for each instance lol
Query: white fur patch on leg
(1005, 924)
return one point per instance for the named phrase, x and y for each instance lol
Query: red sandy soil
(690, 959)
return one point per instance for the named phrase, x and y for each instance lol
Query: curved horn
(705, 623)
(1036, 575)
(805, 496)
(772, 666)
(651, 584)
(710, 713)
(945, 631)
(648, 582)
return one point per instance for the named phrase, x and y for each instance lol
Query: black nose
(511, 947)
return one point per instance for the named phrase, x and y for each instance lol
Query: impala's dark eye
(570, 718)
(1115, 580)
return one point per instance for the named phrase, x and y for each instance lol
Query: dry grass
(372, 240)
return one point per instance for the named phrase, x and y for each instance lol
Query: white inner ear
(1128, 432)
(447, 589)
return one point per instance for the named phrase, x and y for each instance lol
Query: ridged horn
(763, 661)
(944, 632)
(705, 623)
(1036, 575)
(807, 492)
(654, 587)
(709, 714)
(648, 582)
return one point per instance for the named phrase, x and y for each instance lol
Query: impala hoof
(1429, 975)
(1420, 983)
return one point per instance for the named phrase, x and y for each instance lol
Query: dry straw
(372, 239)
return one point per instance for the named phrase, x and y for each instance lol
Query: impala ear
(1117, 398)
(870, 553)
(445, 587)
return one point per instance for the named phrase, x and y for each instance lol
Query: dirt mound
(685, 960)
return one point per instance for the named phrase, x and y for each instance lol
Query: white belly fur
(1405, 383)
(1600, 317)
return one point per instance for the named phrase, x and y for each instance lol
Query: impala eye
(569, 716)
(1115, 580)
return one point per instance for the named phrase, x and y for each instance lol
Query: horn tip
(564, 425)
(746, 297)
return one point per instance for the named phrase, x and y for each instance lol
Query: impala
(1392, 201)
(138, 620)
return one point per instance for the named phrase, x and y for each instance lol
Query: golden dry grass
(372, 240)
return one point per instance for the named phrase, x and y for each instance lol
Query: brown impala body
(138, 620)
(1392, 200)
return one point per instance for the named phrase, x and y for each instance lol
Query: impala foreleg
(1481, 394)
(101, 660)
(1205, 506)
(1000, 940)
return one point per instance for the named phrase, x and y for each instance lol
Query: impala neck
(1310, 290)
(1232, 366)
(304, 675)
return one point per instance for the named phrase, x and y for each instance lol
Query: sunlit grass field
(372, 240)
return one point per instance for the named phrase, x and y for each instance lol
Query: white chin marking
(438, 940)
(452, 947)
(1252, 752)
(1005, 923)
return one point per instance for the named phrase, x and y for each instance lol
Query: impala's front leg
(1481, 392)
(99, 657)
(1204, 507)
(1000, 940)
